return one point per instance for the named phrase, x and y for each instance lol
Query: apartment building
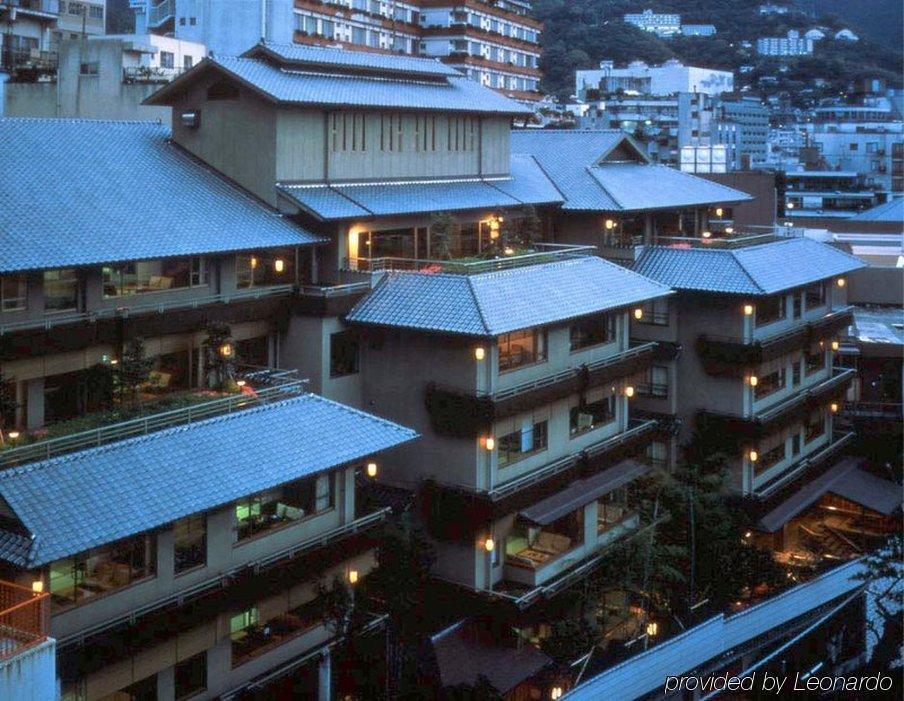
(666, 79)
(660, 24)
(743, 125)
(494, 43)
(791, 45)
(826, 194)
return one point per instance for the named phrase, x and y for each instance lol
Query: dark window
(344, 351)
(656, 312)
(191, 676)
(815, 361)
(520, 443)
(187, 62)
(192, 21)
(770, 310)
(795, 374)
(816, 427)
(591, 415)
(593, 331)
(521, 348)
(190, 543)
(145, 690)
(89, 68)
(798, 305)
(12, 292)
(167, 59)
(773, 382)
(182, 21)
(816, 295)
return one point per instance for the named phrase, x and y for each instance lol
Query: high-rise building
(660, 24)
(494, 43)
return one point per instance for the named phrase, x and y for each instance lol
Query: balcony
(739, 430)
(263, 386)
(835, 445)
(462, 414)
(49, 9)
(161, 13)
(24, 619)
(331, 300)
(540, 253)
(727, 356)
(65, 331)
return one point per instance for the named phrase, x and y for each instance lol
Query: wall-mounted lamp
(353, 576)
(609, 224)
(629, 391)
(833, 407)
(835, 345)
(371, 469)
(719, 211)
(840, 282)
(753, 380)
(480, 353)
(489, 443)
(638, 313)
(226, 350)
(489, 544)
(748, 310)
(753, 456)
(706, 234)
(279, 265)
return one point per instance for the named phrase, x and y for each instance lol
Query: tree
(481, 690)
(441, 227)
(8, 403)
(530, 227)
(884, 577)
(134, 371)
(569, 640)
(219, 355)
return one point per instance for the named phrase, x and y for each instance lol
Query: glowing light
(13, 435)
(557, 692)
(835, 345)
(748, 534)
(840, 282)
(753, 380)
(719, 211)
(241, 383)
(371, 469)
(753, 455)
(490, 443)
(37, 586)
(114, 361)
(729, 230)
(629, 391)
(834, 407)
(480, 353)
(706, 234)
(748, 310)
(279, 265)
(610, 224)
(652, 628)
(489, 544)
(253, 262)
(790, 205)
(353, 576)
(226, 350)
(638, 313)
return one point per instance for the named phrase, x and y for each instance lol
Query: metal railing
(545, 253)
(50, 7)
(184, 595)
(161, 12)
(640, 427)
(150, 74)
(151, 423)
(814, 459)
(331, 291)
(159, 305)
(24, 618)
(839, 377)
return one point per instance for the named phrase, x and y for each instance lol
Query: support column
(35, 403)
(325, 677)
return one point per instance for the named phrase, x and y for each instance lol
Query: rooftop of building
(879, 325)
(891, 211)
(756, 270)
(332, 77)
(75, 502)
(605, 171)
(84, 192)
(526, 184)
(491, 303)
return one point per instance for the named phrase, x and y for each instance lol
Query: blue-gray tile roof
(79, 501)
(891, 211)
(492, 303)
(79, 192)
(574, 160)
(526, 184)
(755, 270)
(331, 57)
(300, 86)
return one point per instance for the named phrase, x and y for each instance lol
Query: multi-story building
(494, 43)
(791, 45)
(698, 30)
(79, 18)
(192, 522)
(26, 34)
(669, 78)
(773, 9)
(660, 24)
(743, 125)
(819, 194)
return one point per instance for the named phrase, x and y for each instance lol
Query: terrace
(253, 386)
(24, 619)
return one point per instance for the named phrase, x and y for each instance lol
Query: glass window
(263, 268)
(12, 293)
(532, 547)
(795, 373)
(190, 542)
(657, 381)
(521, 348)
(591, 415)
(773, 382)
(656, 312)
(344, 354)
(518, 444)
(612, 509)
(814, 361)
(76, 580)
(167, 59)
(770, 310)
(816, 426)
(593, 331)
(191, 676)
(816, 295)
(60, 290)
(144, 276)
(798, 300)
(144, 690)
(769, 458)
(286, 504)
(252, 636)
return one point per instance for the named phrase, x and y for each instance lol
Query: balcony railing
(161, 12)
(159, 305)
(24, 619)
(838, 442)
(545, 253)
(280, 387)
(637, 429)
(839, 377)
(182, 596)
(45, 7)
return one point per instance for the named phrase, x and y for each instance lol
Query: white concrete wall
(31, 674)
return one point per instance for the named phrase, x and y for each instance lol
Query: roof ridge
(590, 169)
(86, 120)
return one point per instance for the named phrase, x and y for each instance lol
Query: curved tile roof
(83, 500)
(493, 303)
(82, 192)
(755, 270)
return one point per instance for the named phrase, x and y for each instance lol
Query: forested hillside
(580, 33)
